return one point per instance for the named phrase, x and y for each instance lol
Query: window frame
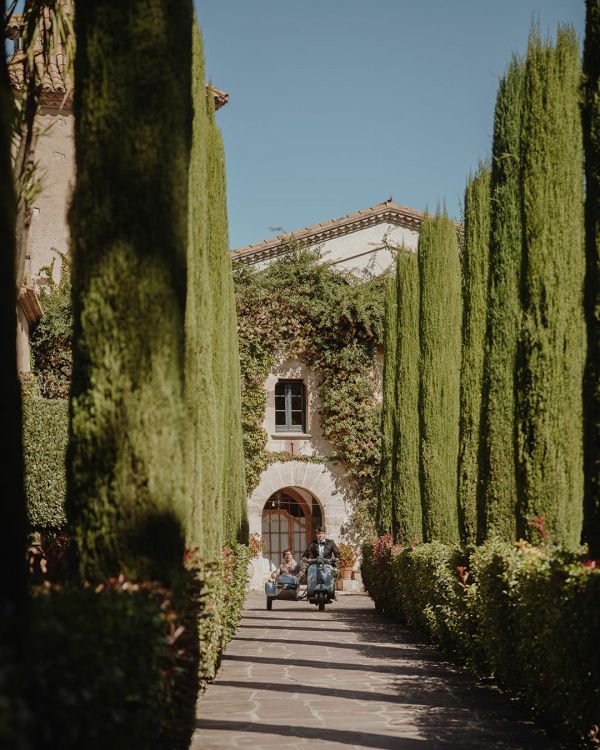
(288, 427)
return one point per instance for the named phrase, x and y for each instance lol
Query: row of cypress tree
(421, 389)
(503, 444)
(155, 459)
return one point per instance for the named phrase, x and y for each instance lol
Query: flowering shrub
(348, 555)
(528, 615)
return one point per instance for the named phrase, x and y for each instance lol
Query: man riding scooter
(321, 547)
(319, 561)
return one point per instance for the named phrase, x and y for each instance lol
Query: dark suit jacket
(331, 549)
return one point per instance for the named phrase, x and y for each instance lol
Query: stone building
(293, 497)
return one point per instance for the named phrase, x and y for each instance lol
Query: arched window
(290, 406)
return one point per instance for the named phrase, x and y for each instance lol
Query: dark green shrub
(420, 587)
(530, 616)
(115, 666)
(45, 437)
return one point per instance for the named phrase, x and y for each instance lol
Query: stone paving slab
(347, 677)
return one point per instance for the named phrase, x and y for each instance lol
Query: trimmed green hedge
(119, 665)
(114, 666)
(45, 436)
(530, 616)
(223, 593)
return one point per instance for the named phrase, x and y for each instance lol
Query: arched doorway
(288, 519)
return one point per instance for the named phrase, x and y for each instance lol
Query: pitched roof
(57, 89)
(388, 211)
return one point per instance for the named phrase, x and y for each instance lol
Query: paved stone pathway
(299, 678)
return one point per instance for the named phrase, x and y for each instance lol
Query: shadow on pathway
(348, 677)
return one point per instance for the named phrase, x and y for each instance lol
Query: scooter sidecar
(283, 587)
(320, 582)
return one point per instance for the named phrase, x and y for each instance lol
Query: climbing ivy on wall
(300, 306)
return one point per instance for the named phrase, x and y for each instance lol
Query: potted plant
(347, 559)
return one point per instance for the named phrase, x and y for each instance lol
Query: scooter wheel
(321, 604)
(269, 603)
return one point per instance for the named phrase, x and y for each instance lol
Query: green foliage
(45, 437)
(224, 582)
(591, 140)
(497, 504)
(135, 688)
(51, 337)
(539, 623)
(389, 421)
(553, 334)
(407, 521)
(527, 615)
(475, 261)
(333, 321)
(439, 332)
(126, 499)
(215, 465)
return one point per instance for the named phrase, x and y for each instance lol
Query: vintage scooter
(320, 585)
(320, 582)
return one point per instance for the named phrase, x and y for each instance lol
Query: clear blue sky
(337, 104)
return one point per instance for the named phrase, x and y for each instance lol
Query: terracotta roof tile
(57, 90)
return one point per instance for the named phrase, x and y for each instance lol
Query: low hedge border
(120, 665)
(528, 616)
(45, 437)
(224, 583)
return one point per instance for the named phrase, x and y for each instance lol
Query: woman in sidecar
(284, 583)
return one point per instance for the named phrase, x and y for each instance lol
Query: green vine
(51, 338)
(332, 320)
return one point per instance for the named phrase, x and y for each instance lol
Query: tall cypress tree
(475, 257)
(13, 599)
(591, 140)
(226, 370)
(498, 466)
(553, 338)
(201, 400)
(215, 469)
(407, 520)
(126, 498)
(439, 331)
(388, 413)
